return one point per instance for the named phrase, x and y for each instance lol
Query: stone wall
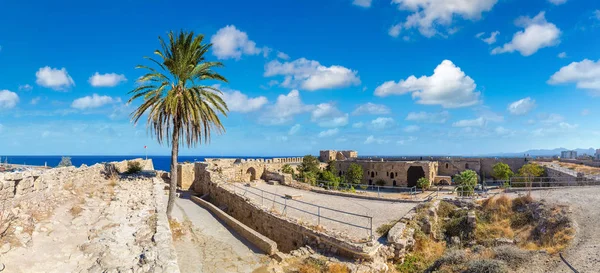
(327, 155)
(393, 173)
(121, 166)
(287, 233)
(18, 186)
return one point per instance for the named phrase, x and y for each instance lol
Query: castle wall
(393, 173)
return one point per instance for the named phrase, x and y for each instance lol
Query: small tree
(354, 174)
(423, 183)
(466, 180)
(133, 167)
(65, 161)
(501, 171)
(310, 178)
(331, 179)
(309, 164)
(287, 169)
(331, 167)
(380, 182)
(530, 171)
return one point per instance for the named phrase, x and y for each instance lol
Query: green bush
(451, 257)
(287, 169)
(486, 266)
(133, 167)
(380, 182)
(65, 161)
(465, 190)
(411, 264)
(423, 183)
(511, 254)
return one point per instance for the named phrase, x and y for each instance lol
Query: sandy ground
(209, 246)
(382, 211)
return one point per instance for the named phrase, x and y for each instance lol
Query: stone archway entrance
(251, 174)
(413, 174)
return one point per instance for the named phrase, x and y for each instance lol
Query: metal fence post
(319, 215)
(378, 191)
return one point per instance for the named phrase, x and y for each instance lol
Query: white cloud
(585, 74)
(551, 118)
(406, 141)
(429, 16)
(231, 43)
(562, 55)
(501, 131)
(567, 126)
(490, 40)
(362, 3)
(538, 33)
(358, 125)
(93, 101)
(449, 87)
(8, 99)
(329, 133)
(557, 2)
(382, 123)
(440, 117)
(285, 108)
(597, 14)
(411, 128)
(585, 112)
(106, 80)
(372, 139)
(35, 100)
(478, 122)
(239, 102)
(327, 115)
(394, 30)
(521, 107)
(311, 75)
(294, 129)
(282, 56)
(25, 87)
(54, 78)
(372, 109)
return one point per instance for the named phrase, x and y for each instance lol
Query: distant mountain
(551, 152)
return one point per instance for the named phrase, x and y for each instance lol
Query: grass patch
(385, 228)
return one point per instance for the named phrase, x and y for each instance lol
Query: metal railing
(368, 188)
(523, 183)
(288, 203)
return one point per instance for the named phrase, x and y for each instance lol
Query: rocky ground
(90, 224)
(584, 252)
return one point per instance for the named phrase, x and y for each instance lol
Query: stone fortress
(398, 172)
(405, 171)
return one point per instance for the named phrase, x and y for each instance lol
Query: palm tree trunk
(173, 186)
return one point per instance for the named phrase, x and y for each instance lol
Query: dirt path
(208, 246)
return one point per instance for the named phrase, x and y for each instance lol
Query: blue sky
(398, 77)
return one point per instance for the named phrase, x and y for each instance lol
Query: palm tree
(178, 104)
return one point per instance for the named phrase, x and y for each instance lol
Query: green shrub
(133, 167)
(445, 209)
(65, 161)
(385, 228)
(411, 264)
(287, 169)
(423, 183)
(465, 190)
(511, 254)
(380, 182)
(486, 266)
(451, 257)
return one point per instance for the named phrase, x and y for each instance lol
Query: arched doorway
(251, 174)
(413, 174)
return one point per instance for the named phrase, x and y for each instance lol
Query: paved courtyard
(382, 211)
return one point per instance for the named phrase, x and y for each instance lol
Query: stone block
(396, 233)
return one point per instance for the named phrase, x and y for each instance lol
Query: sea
(161, 162)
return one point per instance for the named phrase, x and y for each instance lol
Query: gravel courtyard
(382, 211)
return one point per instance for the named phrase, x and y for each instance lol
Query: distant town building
(597, 155)
(568, 154)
